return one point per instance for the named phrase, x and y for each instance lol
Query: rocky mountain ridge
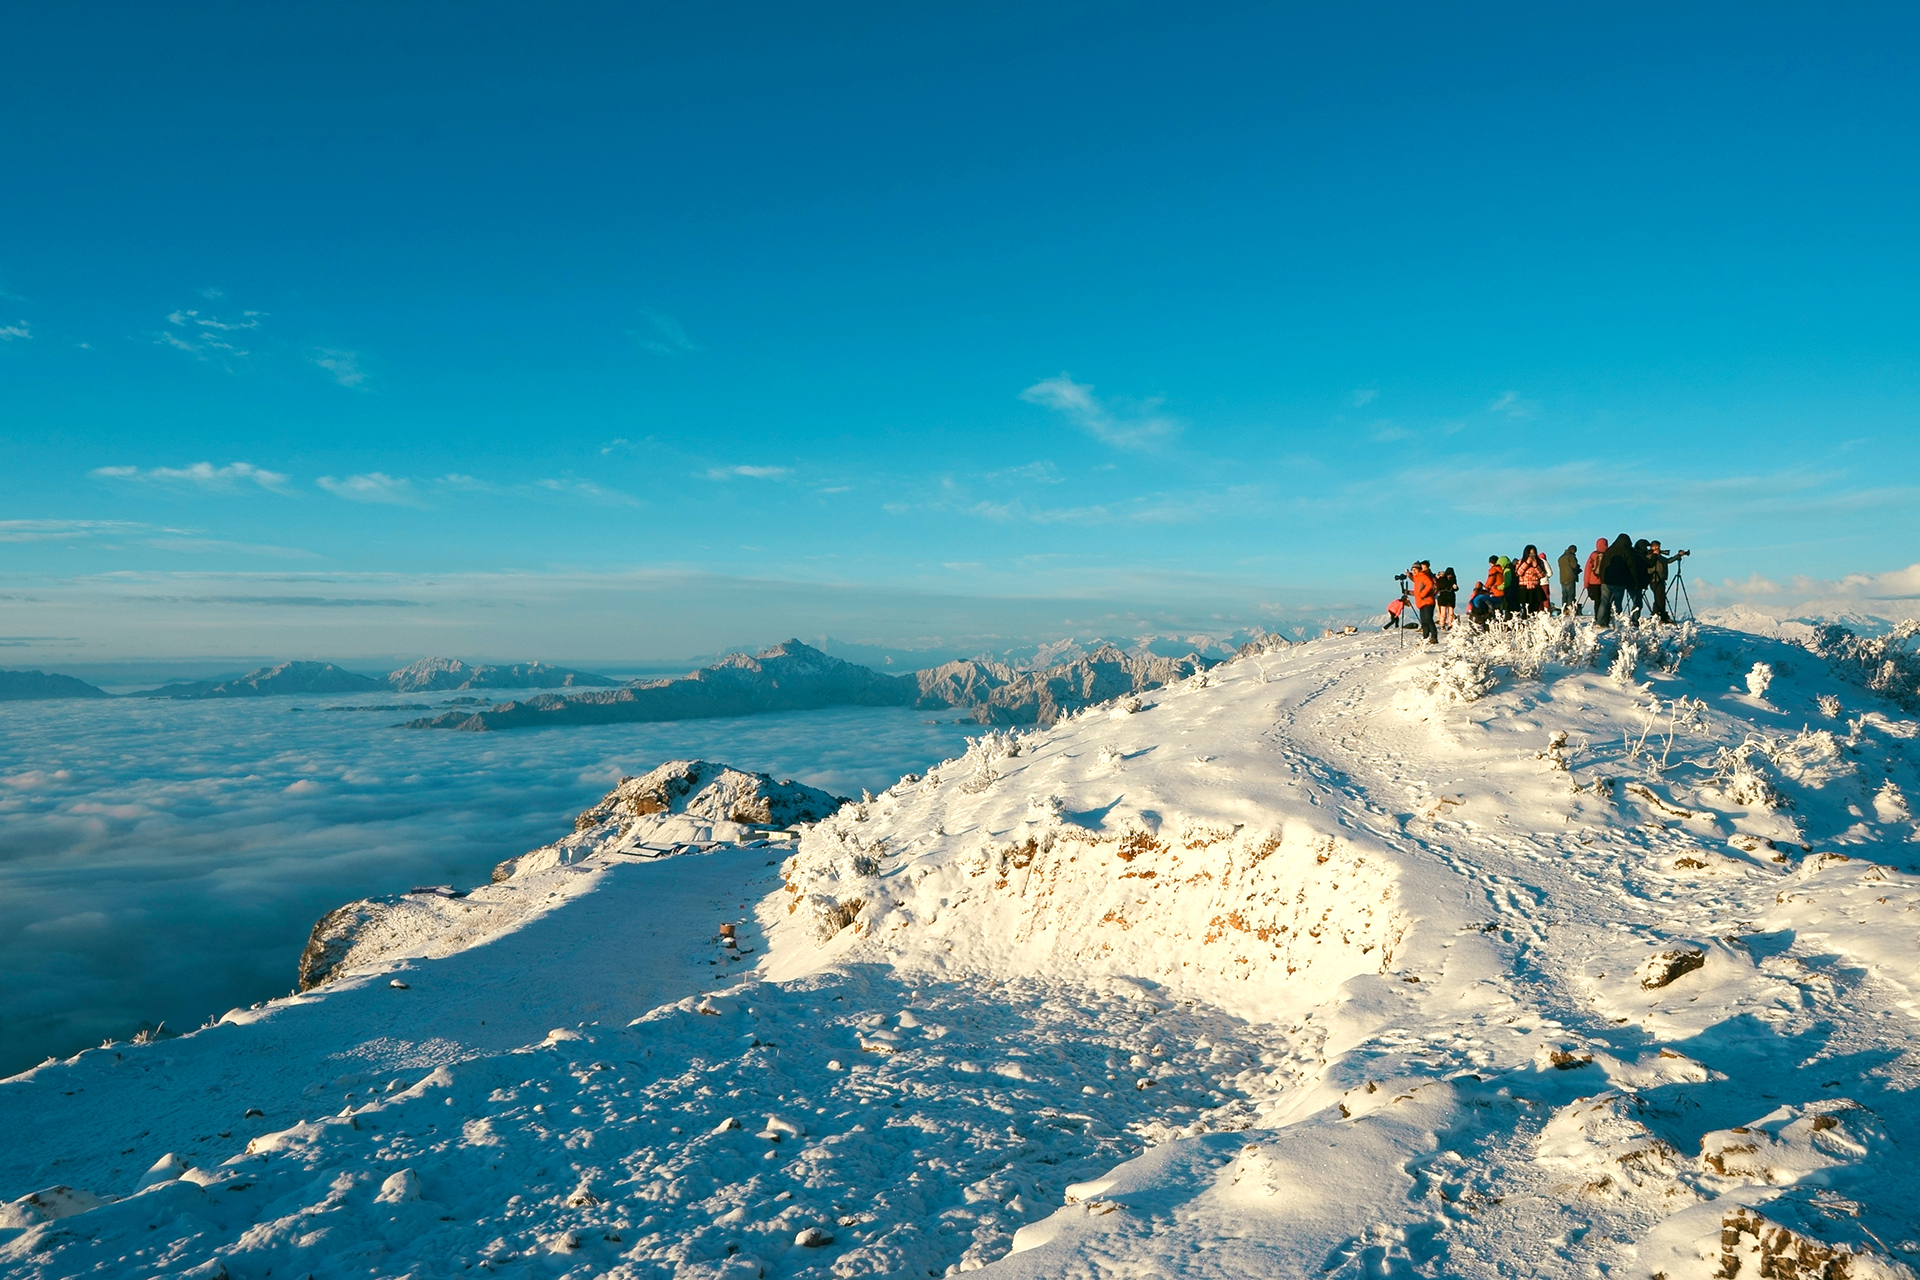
(40, 686)
(795, 676)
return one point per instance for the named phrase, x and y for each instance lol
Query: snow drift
(1550, 953)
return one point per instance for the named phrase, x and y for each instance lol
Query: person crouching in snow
(1480, 606)
(1424, 590)
(1394, 610)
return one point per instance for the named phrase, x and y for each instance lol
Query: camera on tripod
(1402, 579)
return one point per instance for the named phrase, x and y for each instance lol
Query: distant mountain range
(427, 675)
(795, 677)
(37, 686)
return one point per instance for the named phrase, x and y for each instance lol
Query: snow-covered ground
(1526, 957)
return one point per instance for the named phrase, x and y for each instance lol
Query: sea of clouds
(164, 861)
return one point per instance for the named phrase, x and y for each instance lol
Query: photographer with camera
(1657, 563)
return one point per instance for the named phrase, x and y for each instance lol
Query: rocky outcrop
(797, 677)
(37, 686)
(715, 792)
(333, 937)
(288, 677)
(439, 675)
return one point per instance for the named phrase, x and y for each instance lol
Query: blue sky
(625, 331)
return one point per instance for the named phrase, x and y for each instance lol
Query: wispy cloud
(1076, 400)
(207, 337)
(291, 602)
(11, 331)
(1510, 404)
(663, 335)
(749, 473)
(342, 366)
(618, 442)
(63, 530)
(574, 487)
(462, 483)
(201, 475)
(374, 486)
(214, 546)
(1038, 472)
(1364, 397)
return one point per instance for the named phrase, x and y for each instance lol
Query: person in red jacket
(1596, 588)
(1425, 588)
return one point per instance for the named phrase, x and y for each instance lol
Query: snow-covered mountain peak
(1550, 952)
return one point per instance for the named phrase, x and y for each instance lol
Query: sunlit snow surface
(164, 860)
(1549, 954)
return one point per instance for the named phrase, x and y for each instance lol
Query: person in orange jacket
(1425, 588)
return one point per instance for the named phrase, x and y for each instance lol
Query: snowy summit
(1551, 953)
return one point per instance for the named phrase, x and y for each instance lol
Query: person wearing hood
(1618, 573)
(1596, 585)
(1510, 600)
(1497, 584)
(1642, 578)
(1570, 581)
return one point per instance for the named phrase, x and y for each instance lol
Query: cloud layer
(166, 860)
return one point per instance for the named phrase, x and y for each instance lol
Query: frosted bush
(1458, 679)
(1625, 660)
(1829, 706)
(1759, 679)
(1740, 775)
(1886, 664)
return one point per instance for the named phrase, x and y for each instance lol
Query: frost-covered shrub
(1741, 776)
(1458, 679)
(1888, 664)
(1759, 679)
(1625, 660)
(1829, 706)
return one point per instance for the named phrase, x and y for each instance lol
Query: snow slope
(1547, 953)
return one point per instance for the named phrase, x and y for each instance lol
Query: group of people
(1618, 577)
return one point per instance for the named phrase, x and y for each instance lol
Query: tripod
(1677, 592)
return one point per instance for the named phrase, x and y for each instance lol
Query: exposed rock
(681, 802)
(434, 675)
(333, 937)
(1658, 970)
(37, 686)
(288, 677)
(716, 792)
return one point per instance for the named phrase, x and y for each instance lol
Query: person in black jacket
(1617, 574)
(1642, 578)
(1446, 593)
(1657, 563)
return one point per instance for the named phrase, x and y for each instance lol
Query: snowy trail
(1347, 960)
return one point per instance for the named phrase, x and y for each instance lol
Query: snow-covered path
(1345, 960)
